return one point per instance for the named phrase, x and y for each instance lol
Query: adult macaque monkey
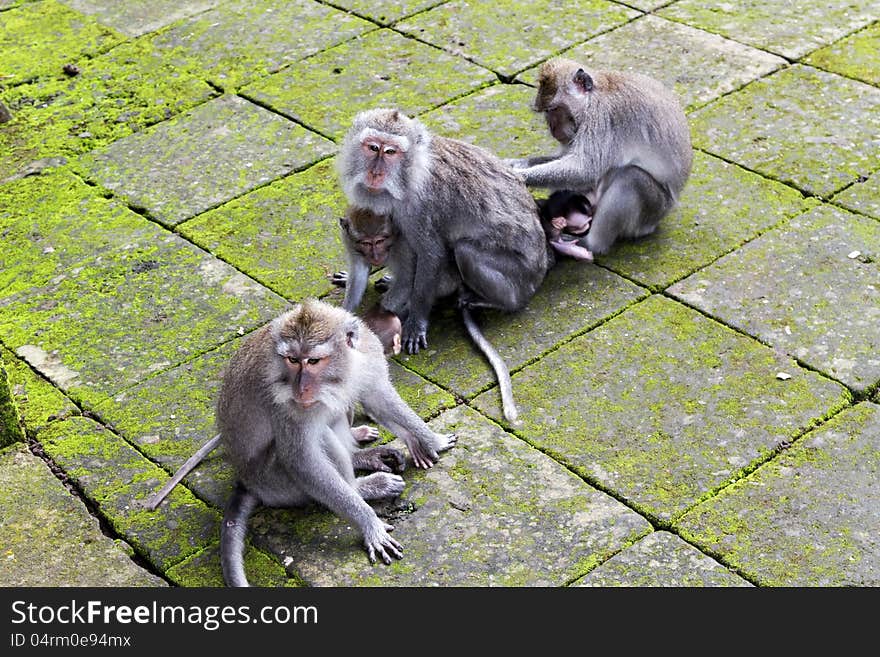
(625, 145)
(283, 413)
(467, 224)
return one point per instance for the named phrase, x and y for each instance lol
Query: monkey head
(377, 158)
(315, 344)
(564, 88)
(371, 235)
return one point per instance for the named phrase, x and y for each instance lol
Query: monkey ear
(343, 221)
(352, 332)
(583, 80)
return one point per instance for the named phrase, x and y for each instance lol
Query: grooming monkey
(625, 145)
(566, 218)
(467, 224)
(283, 413)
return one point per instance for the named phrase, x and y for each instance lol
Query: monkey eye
(373, 147)
(293, 359)
(314, 361)
(390, 151)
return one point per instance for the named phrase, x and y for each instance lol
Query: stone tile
(241, 41)
(493, 511)
(169, 416)
(203, 158)
(204, 569)
(119, 480)
(573, 297)
(663, 405)
(722, 207)
(661, 559)
(857, 56)
(815, 130)
(808, 517)
(699, 66)
(511, 36)
(498, 118)
(862, 196)
(785, 28)
(796, 289)
(115, 94)
(386, 11)
(37, 400)
(48, 536)
(284, 235)
(137, 17)
(144, 300)
(40, 38)
(379, 69)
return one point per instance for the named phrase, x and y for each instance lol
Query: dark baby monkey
(566, 218)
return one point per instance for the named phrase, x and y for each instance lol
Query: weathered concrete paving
(699, 408)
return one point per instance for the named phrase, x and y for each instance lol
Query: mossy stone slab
(169, 416)
(857, 56)
(722, 206)
(144, 301)
(573, 297)
(380, 69)
(498, 118)
(661, 559)
(113, 95)
(810, 516)
(786, 28)
(10, 420)
(40, 38)
(136, 17)
(203, 569)
(802, 126)
(698, 66)
(119, 479)
(663, 406)
(38, 401)
(797, 288)
(492, 511)
(386, 11)
(48, 537)
(513, 35)
(285, 235)
(198, 160)
(862, 196)
(238, 42)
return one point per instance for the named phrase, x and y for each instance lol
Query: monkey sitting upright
(625, 146)
(566, 218)
(283, 414)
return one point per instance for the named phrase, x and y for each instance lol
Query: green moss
(10, 423)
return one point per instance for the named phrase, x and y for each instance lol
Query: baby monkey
(566, 218)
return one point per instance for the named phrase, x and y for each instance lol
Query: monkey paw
(339, 279)
(377, 541)
(425, 455)
(383, 284)
(364, 434)
(379, 485)
(415, 335)
(379, 459)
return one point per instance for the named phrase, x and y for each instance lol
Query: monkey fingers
(364, 433)
(383, 283)
(415, 335)
(380, 542)
(339, 279)
(573, 249)
(379, 459)
(559, 222)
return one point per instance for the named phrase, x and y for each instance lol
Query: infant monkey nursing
(566, 217)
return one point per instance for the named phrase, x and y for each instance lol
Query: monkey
(566, 218)
(466, 224)
(625, 145)
(283, 416)
(386, 326)
(368, 239)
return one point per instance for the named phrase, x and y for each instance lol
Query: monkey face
(561, 123)
(375, 249)
(382, 156)
(308, 370)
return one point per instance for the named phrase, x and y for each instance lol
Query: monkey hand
(383, 283)
(365, 433)
(559, 223)
(339, 279)
(379, 542)
(425, 456)
(415, 334)
(379, 459)
(573, 250)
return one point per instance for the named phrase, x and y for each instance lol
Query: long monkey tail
(233, 530)
(501, 372)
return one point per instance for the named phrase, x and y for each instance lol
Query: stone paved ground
(700, 408)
